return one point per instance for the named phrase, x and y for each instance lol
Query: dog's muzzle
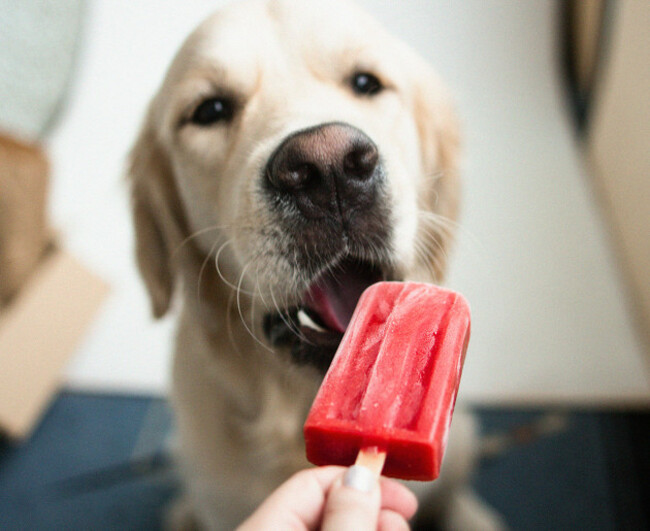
(326, 187)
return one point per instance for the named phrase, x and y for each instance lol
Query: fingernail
(359, 478)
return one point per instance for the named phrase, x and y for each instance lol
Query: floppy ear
(439, 134)
(158, 216)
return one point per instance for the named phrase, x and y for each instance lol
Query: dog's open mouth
(333, 297)
(314, 328)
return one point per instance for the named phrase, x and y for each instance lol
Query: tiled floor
(85, 468)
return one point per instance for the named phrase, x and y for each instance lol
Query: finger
(353, 502)
(391, 521)
(296, 503)
(397, 497)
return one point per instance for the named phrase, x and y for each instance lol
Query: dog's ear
(157, 214)
(439, 133)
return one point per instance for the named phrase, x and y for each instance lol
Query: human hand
(334, 498)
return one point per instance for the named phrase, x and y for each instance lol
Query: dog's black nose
(330, 168)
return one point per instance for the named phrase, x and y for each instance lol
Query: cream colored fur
(205, 233)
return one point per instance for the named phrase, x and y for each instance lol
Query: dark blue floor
(558, 481)
(82, 437)
(87, 467)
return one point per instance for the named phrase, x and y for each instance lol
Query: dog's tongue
(334, 295)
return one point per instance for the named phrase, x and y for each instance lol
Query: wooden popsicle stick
(373, 458)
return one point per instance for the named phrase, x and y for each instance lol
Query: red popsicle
(391, 388)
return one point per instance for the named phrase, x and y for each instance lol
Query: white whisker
(258, 287)
(219, 272)
(447, 225)
(205, 262)
(286, 320)
(229, 328)
(194, 235)
(241, 314)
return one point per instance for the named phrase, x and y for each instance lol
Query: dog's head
(304, 152)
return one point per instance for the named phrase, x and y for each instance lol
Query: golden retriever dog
(294, 154)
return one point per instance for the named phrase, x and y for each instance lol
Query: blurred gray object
(38, 40)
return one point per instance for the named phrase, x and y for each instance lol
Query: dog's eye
(366, 84)
(213, 110)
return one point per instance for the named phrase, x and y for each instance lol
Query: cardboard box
(39, 331)
(24, 231)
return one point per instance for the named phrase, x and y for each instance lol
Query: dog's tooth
(305, 320)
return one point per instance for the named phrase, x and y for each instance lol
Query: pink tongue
(334, 296)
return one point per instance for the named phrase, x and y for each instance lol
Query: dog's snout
(327, 168)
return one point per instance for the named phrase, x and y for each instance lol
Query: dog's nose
(328, 168)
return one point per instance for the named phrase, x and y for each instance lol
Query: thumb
(353, 501)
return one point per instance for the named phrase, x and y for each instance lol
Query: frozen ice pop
(391, 388)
